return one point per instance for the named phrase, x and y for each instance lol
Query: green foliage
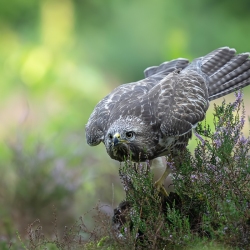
(37, 183)
(209, 208)
(219, 176)
(143, 201)
(152, 220)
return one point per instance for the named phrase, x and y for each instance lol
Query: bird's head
(129, 137)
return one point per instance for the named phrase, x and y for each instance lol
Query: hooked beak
(117, 139)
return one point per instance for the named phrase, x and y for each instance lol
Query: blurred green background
(58, 58)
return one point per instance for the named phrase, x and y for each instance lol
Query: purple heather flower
(171, 165)
(211, 167)
(140, 167)
(244, 140)
(239, 96)
(217, 143)
(148, 164)
(238, 100)
(217, 159)
(194, 177)
(236, 157)
(126, 180)
(200, 138)
(242, 118)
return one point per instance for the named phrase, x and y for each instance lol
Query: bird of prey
(155, 116)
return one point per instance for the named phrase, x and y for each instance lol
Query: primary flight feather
(155, 116)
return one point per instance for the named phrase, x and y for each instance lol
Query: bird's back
(223, 69)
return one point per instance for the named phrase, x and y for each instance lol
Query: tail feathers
(166, 67)
(226, 71)
(231, 68)
(230, 90)
(232, 79)
(216, 59)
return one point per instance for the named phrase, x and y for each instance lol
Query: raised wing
(167, 67)
(183, 102)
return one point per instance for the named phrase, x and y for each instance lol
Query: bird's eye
(110, 136)
(129, 134)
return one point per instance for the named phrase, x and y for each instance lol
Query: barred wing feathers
(128, 99)
(183, 102)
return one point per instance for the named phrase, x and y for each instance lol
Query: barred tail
(226, 71)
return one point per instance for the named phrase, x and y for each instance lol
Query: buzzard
(155, 116)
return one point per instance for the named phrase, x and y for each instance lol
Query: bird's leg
(159, 184)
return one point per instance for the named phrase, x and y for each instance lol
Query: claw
(161, 189)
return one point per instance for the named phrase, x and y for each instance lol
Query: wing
(183, 102)
(167, 67)
(128, 99)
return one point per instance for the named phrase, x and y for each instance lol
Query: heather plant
(218, 176)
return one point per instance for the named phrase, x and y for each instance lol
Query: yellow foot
(160, 188)
(159, 184)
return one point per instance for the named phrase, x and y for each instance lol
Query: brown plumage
(155, 116)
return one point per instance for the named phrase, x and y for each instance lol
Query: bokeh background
(58, 58)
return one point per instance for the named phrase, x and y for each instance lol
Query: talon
(161, 189)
